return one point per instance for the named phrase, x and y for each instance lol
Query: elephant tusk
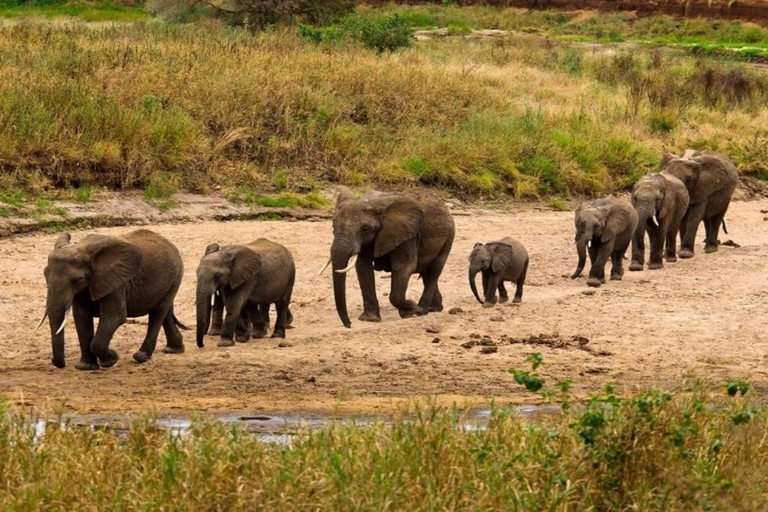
(213, 299)
(349, 267)
(45, 315)
(655, 220)
(61, 328)
(324, 266)
(589, 244)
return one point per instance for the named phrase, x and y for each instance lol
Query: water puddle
(276, 428)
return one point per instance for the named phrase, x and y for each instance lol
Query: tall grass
(652, 451)
(205, 105)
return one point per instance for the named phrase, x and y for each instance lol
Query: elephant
(112, 278)
(661, 201)
(249, 278)
(402, 233)
(606, 227)
(505, 260)
(711, 179)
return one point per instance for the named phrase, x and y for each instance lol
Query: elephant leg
(397, 298)
(713, 232)
(519, 285)
(485, 275)
(156, 320)
(437, 301)
(638, 252)
(657, 248)
(597, 271)
(289, 319)
(282, 319)
(84, 325)
(494, 281)
(234, 307)
(112, 314)
(217, 314)
(244, 328)
(260, 320)
(617, 267)
(503, 296)
(174, 341)
(431, 276)
(689, 227)
(367, 281)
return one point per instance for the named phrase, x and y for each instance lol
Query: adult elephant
(112, 278)
(403, 234)
(605, 227)
(710, 179)
(661, 201)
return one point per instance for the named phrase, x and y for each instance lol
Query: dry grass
(197, 106)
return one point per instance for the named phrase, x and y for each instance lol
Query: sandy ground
(703, 317)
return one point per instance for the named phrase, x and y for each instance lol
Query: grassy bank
(202, 107)
(652, 451)
(86, 11)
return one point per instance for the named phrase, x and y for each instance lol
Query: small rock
(436, 340)
(489, 350)
(285, 344)
(486, 342)
(474, 336)
(433, 329)
(311, 380)
(496, 319)
(588, 292)
(455, 311)
(468, 344)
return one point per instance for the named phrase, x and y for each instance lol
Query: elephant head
(495, 256)
(687, 169)
(99, 264)
(650, 199)
(221, 267)
(378, 223)
(600, 220)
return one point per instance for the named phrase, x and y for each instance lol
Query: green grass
(653, 450)
(86, 11)
(312, 200)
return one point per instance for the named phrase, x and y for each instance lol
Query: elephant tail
(179, 324)
(725, 230)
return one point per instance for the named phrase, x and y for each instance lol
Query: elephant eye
(217, 275)
(367, 228)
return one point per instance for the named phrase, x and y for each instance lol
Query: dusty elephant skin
(403, 234)
(249, 278)
(605, 227)
(710, 179)
(112, 278)
(661, 201)
(505, 260)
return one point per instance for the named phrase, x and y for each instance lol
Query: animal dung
(489, 350)
(436, 340)
(455, 311)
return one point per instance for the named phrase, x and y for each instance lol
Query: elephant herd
(137, 274)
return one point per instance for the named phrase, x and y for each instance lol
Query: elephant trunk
(473, 271)
(340, 258)
(57, 315)
(203, 314)
(581, 250)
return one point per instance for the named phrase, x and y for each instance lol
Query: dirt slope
(705, 316)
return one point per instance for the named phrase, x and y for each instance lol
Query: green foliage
(530, 379)
(161, 186)
(558, 204)
(83, 194)
(312, 200)
(385, 34)
(736, 386)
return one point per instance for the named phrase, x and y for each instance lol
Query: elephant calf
(661, 201)
(605, 227)
(711, 180)
(505, 260)
(112, 278)
(250, 278)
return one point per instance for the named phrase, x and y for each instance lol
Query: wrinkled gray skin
(249, 278)
(605, 227)
(710, 179)
(403, 234)
(505, 260)
(661, 201)
(113, 278)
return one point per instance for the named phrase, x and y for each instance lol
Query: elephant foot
(416, 311)
(710, 249)
(177, 349)
(259, 333)
(87, 365)
(686, 253)
(671, 259)
(635, 266)
(488, 305)
(616, 277)
(110, 360)
(226, 342)
(215, 330)
(503, 299)
(278, 334)
(595, 282)
(242, 337)
(655, 266)
(370, 316)
(141, 357)
(517, 300)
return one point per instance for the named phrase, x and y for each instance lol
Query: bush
(385, 34)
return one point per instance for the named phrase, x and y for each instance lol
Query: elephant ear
(113, 263)
(212, 248)
(400, 221)
(501, 256)
(668, 157)
(617, 220)
(245, 264)
(344, 195)
(62, 240)
(712, 175)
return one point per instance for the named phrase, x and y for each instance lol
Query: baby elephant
(605, 227)
(112, 278)
(505, 260)
(250, 278)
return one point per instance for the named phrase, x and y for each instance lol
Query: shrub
(385, 34)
